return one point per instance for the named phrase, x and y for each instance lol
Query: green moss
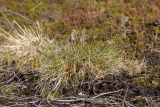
(11, 89)
(141, 81)
(51, 95)
(147, 82)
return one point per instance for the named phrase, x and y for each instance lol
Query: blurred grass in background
(122, 21)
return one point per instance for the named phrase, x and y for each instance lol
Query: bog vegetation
(60, 45)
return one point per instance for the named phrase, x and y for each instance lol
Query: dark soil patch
(131, 90)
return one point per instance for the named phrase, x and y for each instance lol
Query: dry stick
(94, 99)
(78, 100)
(125, 102)
(57, 85)
(156, 50)
(106, 93)
(15, 75)
(105, 101)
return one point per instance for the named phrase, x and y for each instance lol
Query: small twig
(125, 102)
(78, 100)
(106, 93)
(34, 102)
(15, 75)
(92, 100)
(155, 50)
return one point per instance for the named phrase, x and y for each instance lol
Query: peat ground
(122, 90)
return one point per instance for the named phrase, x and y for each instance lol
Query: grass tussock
(64, 64)
(22, 43)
